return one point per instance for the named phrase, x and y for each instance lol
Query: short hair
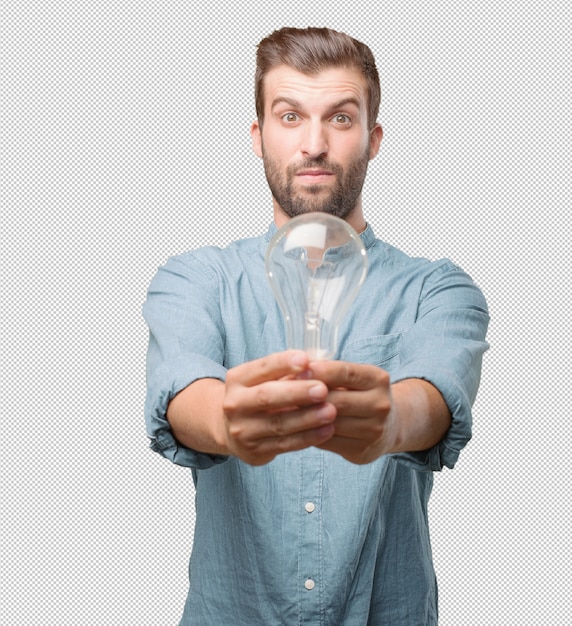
(311, 50)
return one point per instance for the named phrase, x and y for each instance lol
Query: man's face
(315, 142)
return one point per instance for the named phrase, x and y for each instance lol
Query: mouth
(314, 175)
(314, 172)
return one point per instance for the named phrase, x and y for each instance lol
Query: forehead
(330, 84)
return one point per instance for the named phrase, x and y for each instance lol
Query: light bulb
(316, 264)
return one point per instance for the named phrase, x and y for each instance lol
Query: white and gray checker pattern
(125, 139)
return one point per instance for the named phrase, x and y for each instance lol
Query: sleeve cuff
(167, 446)
(166, 385)
(447, 451)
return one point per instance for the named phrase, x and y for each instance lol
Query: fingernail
(325, 414)
(299, 359)
(317, 392)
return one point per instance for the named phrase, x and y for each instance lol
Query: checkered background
(125, 139)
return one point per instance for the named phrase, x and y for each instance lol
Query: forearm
(422, 417)
(261, 410)
(196, 417)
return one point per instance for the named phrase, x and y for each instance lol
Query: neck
(355, 219)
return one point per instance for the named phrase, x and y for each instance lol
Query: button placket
(311, 557)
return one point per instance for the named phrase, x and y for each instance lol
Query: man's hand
(365, 425)
(268, 410)
(375, 417)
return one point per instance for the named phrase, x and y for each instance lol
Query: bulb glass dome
(316, 264)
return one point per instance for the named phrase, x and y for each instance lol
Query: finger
(271, 367)
(365, 431)
(273, 396)
(264, 450)
(281, 425)
(353, 428)
(302, 439)
(361, 404)
(355, 376)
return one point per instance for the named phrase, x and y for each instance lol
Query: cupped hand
(366, 424)
(270, 409)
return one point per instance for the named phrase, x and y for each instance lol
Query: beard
(339, 201)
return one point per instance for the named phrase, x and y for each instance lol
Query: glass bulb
(316, 264)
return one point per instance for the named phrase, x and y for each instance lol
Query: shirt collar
(367, 236)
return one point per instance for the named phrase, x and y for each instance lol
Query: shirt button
(310, 506)
(309, 584)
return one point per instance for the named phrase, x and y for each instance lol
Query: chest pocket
(380, 350)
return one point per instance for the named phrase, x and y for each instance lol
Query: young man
(312, 478)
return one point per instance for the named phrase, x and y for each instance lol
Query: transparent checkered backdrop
(127, 141)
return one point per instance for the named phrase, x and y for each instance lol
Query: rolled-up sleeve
(186, 343)
(445, 346)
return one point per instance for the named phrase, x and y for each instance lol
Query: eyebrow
(298, 105)
(284, 100)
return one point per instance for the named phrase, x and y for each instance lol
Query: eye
(290, 118)
(341, 119)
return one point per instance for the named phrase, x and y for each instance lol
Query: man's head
(310, 51)
(317, 99)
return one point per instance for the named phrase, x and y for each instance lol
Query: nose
(314, 140)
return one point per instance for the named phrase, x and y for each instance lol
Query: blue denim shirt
(311, 538)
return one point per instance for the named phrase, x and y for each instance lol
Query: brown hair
(311, 50)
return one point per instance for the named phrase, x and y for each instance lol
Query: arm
(260, 411)
(196, 418)
(375, 417)
(198, 412)
(422, 416)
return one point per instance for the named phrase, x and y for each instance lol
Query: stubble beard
(340, 201)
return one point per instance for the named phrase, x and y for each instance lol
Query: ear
(375, 137)
(256, 136)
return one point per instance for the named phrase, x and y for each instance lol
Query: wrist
(421, 416)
